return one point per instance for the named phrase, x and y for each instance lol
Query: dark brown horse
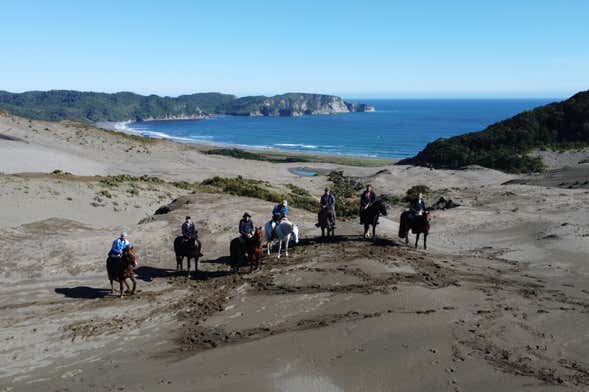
(417, 224)
(252, 249)
(120, 268)
(189, 248)
(371, 215)
(327, 222)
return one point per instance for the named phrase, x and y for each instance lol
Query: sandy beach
(498, 302)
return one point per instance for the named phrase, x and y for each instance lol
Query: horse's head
(259, 233)
(380, 207)
(129, 254)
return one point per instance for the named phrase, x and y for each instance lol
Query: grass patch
(240, 186)
(283, 157)
(297, 197)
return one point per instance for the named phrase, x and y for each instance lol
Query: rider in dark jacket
(418, 206)
(188, 229)
(368, 197)
(327, 201)
(246, 228)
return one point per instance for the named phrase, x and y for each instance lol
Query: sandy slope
(498, 302)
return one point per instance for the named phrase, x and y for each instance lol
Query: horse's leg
(365, 230)
(374, 230)
(417, 239)
(268, 245)
(279, 248)
(134, 284)
(122, 293)
(127, 284)
(112, 287)
(286, 245)
(425, 240)
(188, 266)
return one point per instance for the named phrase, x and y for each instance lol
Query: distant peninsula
(92, 107)
(506, 145)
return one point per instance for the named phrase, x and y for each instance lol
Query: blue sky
(517, 48)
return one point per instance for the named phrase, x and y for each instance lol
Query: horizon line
(355, 96)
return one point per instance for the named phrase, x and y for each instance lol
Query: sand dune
(498, 302)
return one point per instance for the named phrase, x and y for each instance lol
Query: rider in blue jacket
(280, 211)
(119, 245)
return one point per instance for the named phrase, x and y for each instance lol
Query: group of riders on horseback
(121, 257)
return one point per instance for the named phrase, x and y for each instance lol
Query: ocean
(397, 129)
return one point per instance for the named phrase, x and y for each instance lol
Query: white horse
(284, 230)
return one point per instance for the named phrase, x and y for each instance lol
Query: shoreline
(122, 127)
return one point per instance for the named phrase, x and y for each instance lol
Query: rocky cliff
(93, 107)
(293, 104)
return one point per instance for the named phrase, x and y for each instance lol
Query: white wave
(310, 146)
(161, 135)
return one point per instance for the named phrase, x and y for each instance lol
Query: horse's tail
(177, 245)
(113, 268)
(403, 227)
(234, 251)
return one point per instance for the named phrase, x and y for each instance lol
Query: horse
(252, 248)
(189, 248)
(371, 215)
(327, 221)
(417, 224)
(284, 230)
(120, 268)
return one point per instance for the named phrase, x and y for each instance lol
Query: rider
(246, 228)
(279, 213)
(418, 206)
(368, 197)
(327, 201)
(119, 245)
(188, 229)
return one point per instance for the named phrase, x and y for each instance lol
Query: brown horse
(327, 222)
(252, 249)
(371, 215)
(189, 248)
(417, 224)
(120, 268)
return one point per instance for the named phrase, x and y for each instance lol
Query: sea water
(397, 129)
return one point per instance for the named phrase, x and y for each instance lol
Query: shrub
(105, 193)
(347, 191)
(414, 191)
